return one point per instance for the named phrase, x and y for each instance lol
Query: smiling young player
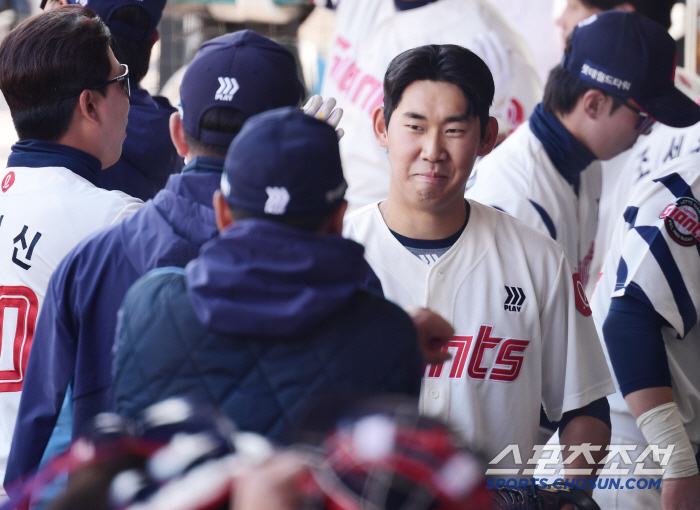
(522, 325)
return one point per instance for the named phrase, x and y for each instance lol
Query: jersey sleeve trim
(659, 249)
(546, 219)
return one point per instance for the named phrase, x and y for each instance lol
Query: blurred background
(306, 31)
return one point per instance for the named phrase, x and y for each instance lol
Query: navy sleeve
(632, 334)
(49, 371)
(597, 409)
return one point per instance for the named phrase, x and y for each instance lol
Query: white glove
(324, 110)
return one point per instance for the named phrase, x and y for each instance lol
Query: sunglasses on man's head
(122, 79)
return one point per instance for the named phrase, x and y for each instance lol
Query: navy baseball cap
(631, 57)
(284, 162)
(243, 70)
(105, 9)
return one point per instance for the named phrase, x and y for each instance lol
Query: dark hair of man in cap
(48, 58)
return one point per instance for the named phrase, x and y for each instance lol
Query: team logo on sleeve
(8, 181)
(682, 220)
(580, 296)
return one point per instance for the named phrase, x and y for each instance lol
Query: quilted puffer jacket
(267, 319)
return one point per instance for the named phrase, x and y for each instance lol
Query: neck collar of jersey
(204, 164)
(569, 156)
(41, 154)
(404, 5)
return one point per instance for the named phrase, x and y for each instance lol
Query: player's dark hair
(656, 10)
(308, 222)
(563, 90)
(441, 63)
(47, 58)
(222, 119)
(134, 53)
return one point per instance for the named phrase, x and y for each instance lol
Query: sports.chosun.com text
(580, 483)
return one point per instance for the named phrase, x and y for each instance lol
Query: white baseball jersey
(519, 178)
(522, 332)
(655, 257)
(45, 212)
(360, 56)
(534, 21)
(622, 174)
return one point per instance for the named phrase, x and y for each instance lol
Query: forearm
(581, 430)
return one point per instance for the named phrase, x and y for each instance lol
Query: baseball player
(79, 319)
(616, 172)
(645, 306)
(516, 305)
(606, 92)
(148, 156)
(68, 131)
(362, 49)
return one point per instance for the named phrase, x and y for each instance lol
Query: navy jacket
(75, 331)
(264, 321)
(148, 154)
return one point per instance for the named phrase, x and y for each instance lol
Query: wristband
(662, 426)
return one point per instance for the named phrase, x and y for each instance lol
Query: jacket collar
(40, 154)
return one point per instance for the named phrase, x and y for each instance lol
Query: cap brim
(674, 109)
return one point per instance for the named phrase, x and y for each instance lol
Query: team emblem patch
(514, 301)
(682, 221)
(580, 296)
(8, 181)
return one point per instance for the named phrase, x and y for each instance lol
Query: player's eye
(413, 127)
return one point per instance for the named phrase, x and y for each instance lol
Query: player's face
(573, 14)
(432, 145)
(116, 107)
(615, 132)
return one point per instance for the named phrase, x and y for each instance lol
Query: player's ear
(177, 134)
(593, 103)
(490, 136)
(222, 211)
(380, 126)
(86, 107)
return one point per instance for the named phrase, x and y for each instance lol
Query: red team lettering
(22, 302)
(509, 358)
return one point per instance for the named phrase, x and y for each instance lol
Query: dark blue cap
(243, 70)
(631, 57)
(105, 9)
(284, 162)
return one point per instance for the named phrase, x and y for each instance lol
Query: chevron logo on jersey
(682, 221)
(514, 301)
(227, 89)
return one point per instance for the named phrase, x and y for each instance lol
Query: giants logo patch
(580, 296)
(8, 181)
(682, 221)
(466, 353)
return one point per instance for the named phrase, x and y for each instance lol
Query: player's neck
(423, 224)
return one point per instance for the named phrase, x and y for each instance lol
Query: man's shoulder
(357, 223)
(509, 230)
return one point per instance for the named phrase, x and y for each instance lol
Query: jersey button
(434, 393)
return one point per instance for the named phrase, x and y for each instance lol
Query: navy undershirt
(632, 334)
(569, 156)
(404, 5)
(40, 154)
(440, 246)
